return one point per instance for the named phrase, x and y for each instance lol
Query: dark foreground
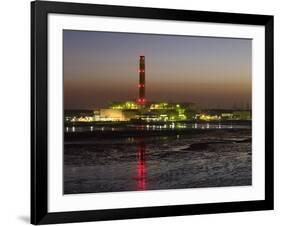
(207, 158)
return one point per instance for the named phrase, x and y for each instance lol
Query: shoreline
(69, 136)
(143, 123)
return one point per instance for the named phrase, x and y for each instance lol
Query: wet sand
(187, 159)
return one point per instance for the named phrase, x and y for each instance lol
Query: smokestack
(141, 99)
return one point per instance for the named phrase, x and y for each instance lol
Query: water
(207, 158)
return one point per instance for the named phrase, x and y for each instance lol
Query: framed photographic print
(145, 112)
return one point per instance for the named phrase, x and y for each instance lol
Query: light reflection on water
(163, 127)
(141, 170)
(189, 160)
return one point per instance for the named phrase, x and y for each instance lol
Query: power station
(141, 110)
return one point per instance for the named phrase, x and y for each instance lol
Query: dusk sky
(100, 67)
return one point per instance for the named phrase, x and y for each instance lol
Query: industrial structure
(141, 100)
(143, 110)
(147, 111)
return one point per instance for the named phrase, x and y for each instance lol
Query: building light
(141, 100)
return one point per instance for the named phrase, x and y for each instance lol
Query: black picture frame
(39, 112)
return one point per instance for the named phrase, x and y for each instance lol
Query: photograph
(141, 112)
(148, 112)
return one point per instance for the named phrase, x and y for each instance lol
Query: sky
(101, 67)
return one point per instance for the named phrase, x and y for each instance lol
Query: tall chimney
(141, 99)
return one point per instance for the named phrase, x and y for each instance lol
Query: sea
(147, 157)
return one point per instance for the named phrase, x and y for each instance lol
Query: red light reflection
(141, 171)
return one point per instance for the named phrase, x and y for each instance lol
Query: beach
(154, 161)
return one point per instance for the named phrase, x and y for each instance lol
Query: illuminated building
(223, 114)
(208, 117)
(142, 110)
(126, 105)
(145, 111)
(242, 115)
(116, 115)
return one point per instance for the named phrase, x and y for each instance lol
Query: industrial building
(144, 110)
(141, 109)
